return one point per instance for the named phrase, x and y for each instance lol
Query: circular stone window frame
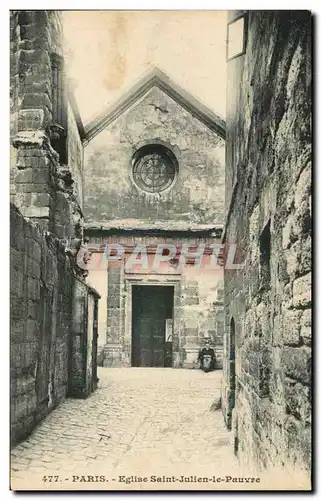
(161, 149)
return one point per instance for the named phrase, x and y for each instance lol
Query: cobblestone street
(140, 421)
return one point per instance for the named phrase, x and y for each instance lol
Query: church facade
(154, 211)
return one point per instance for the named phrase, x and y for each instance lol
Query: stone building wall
(51, 326)
(198, 300)
(43, 181)
(268, 195)
(197, 195)
(40, 309)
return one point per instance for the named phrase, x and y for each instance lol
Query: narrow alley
(140, 421)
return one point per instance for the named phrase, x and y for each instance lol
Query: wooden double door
(151, 307)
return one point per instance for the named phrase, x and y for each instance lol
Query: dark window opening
(265, 255)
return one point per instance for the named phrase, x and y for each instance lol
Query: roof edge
(155, 78)
(213, 231)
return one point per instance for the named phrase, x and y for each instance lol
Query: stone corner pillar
(114, 348)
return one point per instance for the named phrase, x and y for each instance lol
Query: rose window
(154, 168)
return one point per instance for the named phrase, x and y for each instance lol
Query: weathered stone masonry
(53, 312)
(267, 363)
(49, 332)
(43, 183)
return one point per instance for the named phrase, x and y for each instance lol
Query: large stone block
(36, 212)
(291, 327)
(41, 200)
(298, 400)
(30, 119)
(302, 291)
(37, 100)
(296, 363)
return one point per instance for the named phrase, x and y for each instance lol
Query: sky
(109, 51)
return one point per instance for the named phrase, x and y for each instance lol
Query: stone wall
(198, 300)
(41, 301)
(196, 197)
(53, 313)
(268, 193)
(45, 314)
(44, 184)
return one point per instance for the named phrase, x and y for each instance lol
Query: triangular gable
(155, 78)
